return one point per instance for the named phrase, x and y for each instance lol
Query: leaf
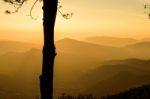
(6, 0)
(7, 12)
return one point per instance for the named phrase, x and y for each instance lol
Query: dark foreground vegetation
(136, 93)
(64, 96)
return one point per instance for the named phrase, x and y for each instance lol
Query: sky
(119, 18)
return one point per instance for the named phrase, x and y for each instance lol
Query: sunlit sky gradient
(120, 18)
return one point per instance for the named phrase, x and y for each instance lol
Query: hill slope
(116, 76)
(14, 46)
(75, 59)
(110, 41)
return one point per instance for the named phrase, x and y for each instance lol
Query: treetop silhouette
(19, 3)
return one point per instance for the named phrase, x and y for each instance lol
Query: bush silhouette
(80, 96)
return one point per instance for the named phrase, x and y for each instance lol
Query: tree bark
(46, 79)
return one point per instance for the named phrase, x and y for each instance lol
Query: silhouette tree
(49, 15)
(46, 79)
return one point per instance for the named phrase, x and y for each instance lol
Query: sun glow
(98, 17)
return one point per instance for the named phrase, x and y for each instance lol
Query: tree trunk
(46, 79)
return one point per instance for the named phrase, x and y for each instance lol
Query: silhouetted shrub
(80, 96)
(136, 93)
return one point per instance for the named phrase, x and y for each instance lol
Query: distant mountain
(140, 45)
(118, 83)
(110, 41)
(71, 45)
(142, 92)
(12, 62)
(140, 49)
(90, 50)
(75, 60)
(146, 39)
(109, 69)
(21, 72)
(116, 76)
(14, 46)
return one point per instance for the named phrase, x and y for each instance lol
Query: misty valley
(100, 66)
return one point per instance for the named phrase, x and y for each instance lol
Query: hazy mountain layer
(78, 66)
(117, 76)
(14, 46)
(111, 41)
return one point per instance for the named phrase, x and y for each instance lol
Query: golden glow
(91, 18)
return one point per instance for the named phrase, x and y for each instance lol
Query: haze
(102, 50)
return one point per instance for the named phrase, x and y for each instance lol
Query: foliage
(19, 3)
(136, 93)
(16, 3)
(80, 96)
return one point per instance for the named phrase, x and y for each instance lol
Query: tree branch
(19, 3)
(147, 10)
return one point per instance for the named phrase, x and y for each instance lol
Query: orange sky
(121, 18)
